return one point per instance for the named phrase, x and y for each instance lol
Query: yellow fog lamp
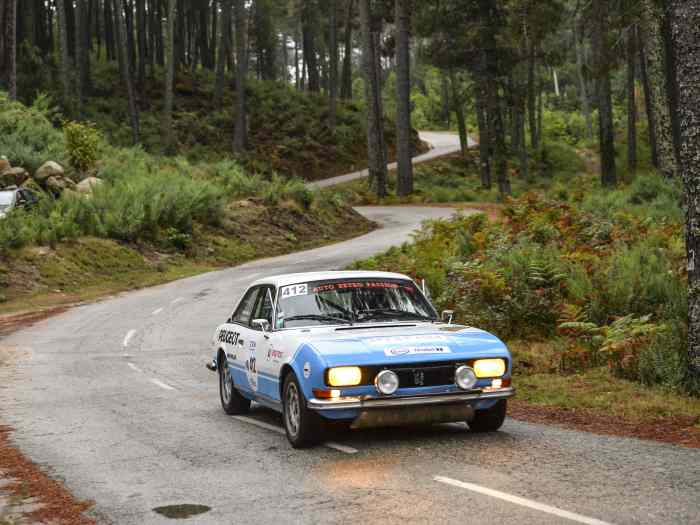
(489, 367)
(344, 376)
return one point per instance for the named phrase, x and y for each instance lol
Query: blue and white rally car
(363, 347)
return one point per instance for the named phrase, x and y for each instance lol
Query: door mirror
(261, 324)
(447, 316)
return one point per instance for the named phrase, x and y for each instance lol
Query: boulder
(4, 164)
(47, 170)
(87, 185)
(13, 177)
(56, 185)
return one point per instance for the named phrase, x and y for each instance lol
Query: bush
(27, 136)
(82, 145)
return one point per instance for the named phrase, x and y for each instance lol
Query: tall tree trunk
(65, 70)
(404, 174)
(492, 68)
(631, 102)
(12, 48)
(81, 51)
(376, 146)
(532, 96)
(685, 31)
(333, 73)
(141, 33)
(672, 85)
(445, 98)
(285, 58)
(458, 106)
(170, 59)
(648, 105)
(240, 134)
(125, 60)
(109, 31)
(605, 113)
(297, 69)
(346, 79)
(223, 50)
(308, 36)
(484, 142)
(582, 88)
(655, 51)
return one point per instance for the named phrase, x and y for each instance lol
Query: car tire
(232, 401)
(302, 426)
(489, 420)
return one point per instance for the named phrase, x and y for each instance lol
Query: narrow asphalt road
(442, 143)
(113, 398)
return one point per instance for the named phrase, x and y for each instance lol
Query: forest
(199, 123)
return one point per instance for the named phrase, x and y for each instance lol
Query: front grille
(425, 376)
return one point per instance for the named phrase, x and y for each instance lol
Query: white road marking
(156, 312)
(134, 367)
(280, 430)
(521, 501)
(161, 384)
(128, 337)
(175, 301)
(342, 448)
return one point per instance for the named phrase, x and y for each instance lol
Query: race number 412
(294, 290)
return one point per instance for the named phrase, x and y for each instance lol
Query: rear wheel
(489, 420)
(231, 399)
(303, 426)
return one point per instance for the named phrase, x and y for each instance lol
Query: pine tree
(685, 30)
(240, 134)
(376, 146)
(404, 174)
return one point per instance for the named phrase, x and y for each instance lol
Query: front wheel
(303, 426)
(231, 399)
(489, 420)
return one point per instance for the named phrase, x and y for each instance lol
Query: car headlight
(465, 377)
(489, 367)
(387, 382)
(344, 376)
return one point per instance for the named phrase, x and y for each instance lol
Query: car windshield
(351, 301)
(6, 199)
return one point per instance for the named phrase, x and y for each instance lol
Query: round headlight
(387, 382)
(465, 377)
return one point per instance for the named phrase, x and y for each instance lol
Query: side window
(245, 309)
(263, 309)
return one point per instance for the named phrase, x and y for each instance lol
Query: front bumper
(366, 402)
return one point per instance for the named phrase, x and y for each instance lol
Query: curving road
(441, 143)
(114, 399)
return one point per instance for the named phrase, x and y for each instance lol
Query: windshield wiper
(389, 313)
(316, 317)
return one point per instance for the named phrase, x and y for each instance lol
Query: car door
(236, 336)
(266, 357)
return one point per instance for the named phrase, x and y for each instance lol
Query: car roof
(295, 278)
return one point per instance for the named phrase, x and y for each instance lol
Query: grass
(87, 268)
(593, 389)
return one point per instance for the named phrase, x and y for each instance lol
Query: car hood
(403, 344)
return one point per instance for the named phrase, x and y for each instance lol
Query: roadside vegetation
(586, 285)
(150, 220)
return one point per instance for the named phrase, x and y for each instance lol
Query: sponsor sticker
(294, 290)
(407, 339)
(417, 350)
(275, 355)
